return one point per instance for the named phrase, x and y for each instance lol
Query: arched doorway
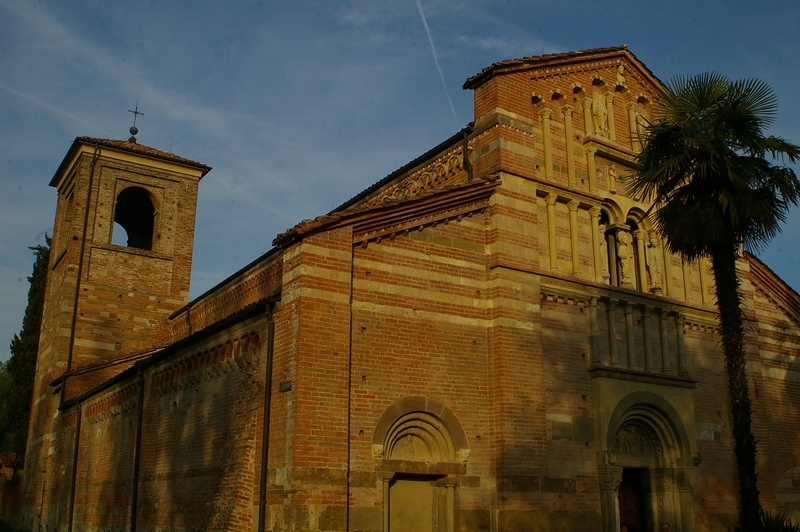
(646, 472)
(422, 450)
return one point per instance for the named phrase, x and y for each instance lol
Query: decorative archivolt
(419, 436)
(420, 429)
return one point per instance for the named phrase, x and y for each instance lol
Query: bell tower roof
(83, 144)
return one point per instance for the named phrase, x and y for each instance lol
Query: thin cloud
(436, 62)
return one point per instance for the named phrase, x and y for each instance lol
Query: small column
(612, 333)
(612, 132)
(666, 364)
(550, 200)
(687, 280)
(386, 502)
(594, 336)
(573, 236)
(636, 145)
(598, 239)
(640, 236)
(592, 169)
(588, 125)
(451, 507)
(669, 283)
(629, 334)
(702, 264)
(679, 341)
(613, 274)
(568, 144)
(548, 143)
(649, 364)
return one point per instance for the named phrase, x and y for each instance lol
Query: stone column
(386, 502)
(680, 343)
(594, 332)
(687, 280)
(666, 364)
(669, 286)
(588, 126)
(550, 200)
(641, 239)
(702, 264)
(629, 334)
(649, 364)
(591, 168)
(610, 477)
(573, 236)
(548, 143)
(636, 145)
(451, 507)
(568, 144)
(612, 333)
(598, 239)
(613, 274)
(612, 132)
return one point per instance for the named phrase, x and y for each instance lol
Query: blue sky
(300, 105)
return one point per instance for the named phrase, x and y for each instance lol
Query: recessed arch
(420, 428)
(658, 413)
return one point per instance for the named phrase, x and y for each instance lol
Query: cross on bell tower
(134, 130)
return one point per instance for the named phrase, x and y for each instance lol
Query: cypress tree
(21, 366)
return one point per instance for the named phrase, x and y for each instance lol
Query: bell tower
(120, 259)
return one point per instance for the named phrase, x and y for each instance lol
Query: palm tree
(712, 176)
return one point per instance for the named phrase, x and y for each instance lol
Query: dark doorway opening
(632, 499)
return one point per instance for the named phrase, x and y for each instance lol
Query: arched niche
(420, 430)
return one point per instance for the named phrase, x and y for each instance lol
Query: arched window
(135, 214)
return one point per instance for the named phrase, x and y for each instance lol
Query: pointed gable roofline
(538, 62)
(126, 147)
(771, 283)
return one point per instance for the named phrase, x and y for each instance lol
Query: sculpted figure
(612, 178)
(603, 254)
(600, 114)
(621, 77)
(624, 257)
(654, 265)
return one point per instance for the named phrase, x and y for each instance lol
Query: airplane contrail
(436, 61)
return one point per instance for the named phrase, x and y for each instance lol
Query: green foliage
(712, 175)
(5, 387)
(19, 371)
(707, 164)
(778, 522)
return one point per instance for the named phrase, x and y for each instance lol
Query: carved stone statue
(654, 265)
(612, 178)
(621, 77)
(624, 257)
(600, 115)
(603, 243)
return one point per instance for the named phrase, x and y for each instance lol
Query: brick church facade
(490, 338)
